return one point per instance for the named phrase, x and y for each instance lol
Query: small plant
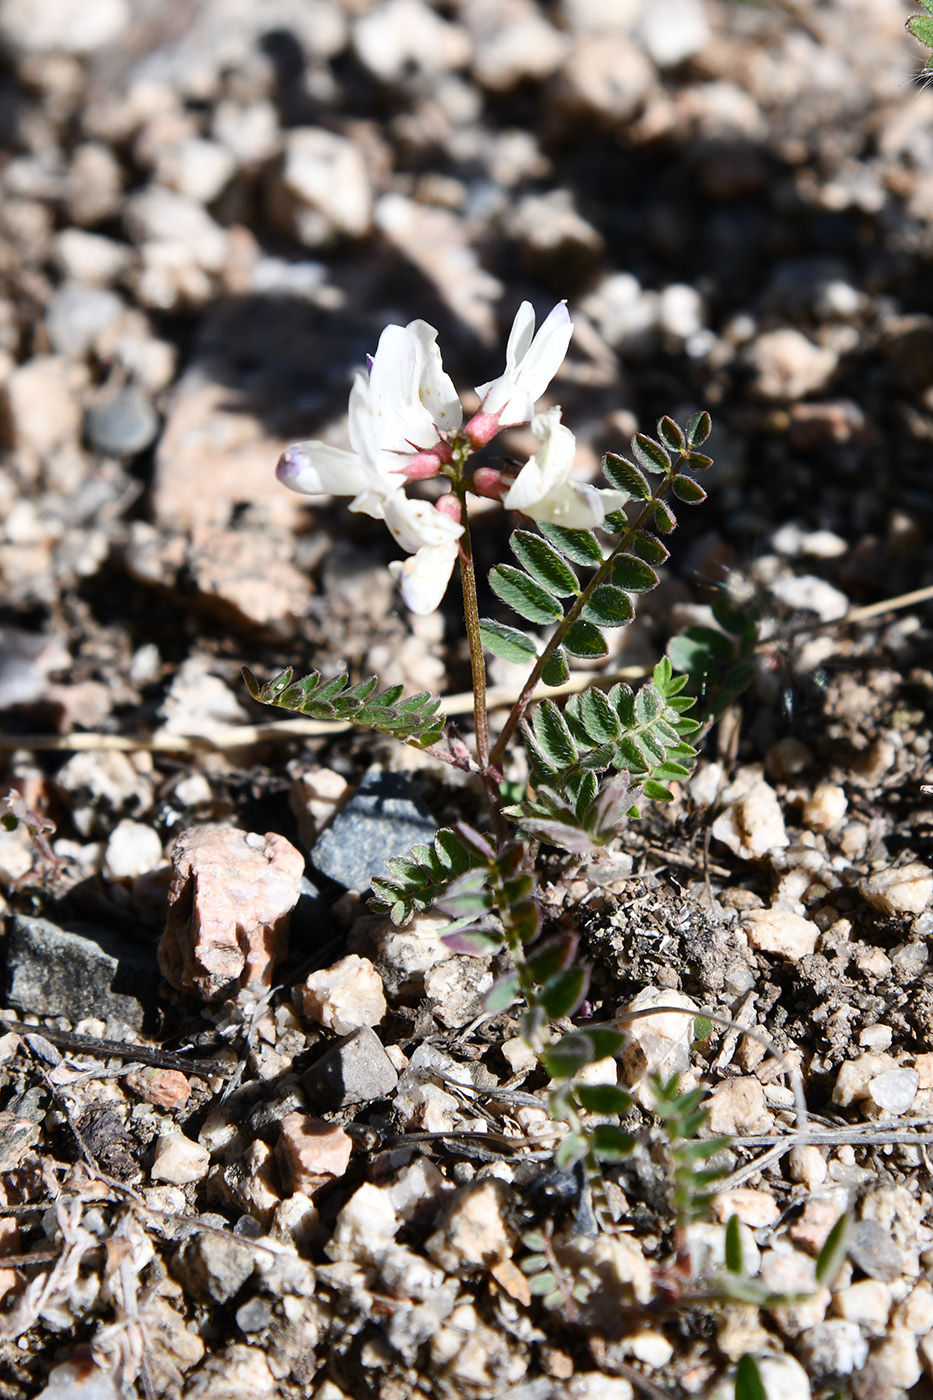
(582, 556)
(921, 27)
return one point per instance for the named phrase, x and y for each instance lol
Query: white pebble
(179, 1161)
(905, 889)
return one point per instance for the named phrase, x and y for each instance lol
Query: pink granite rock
(312, 1152)
(230, 899)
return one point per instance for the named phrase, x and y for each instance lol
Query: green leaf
(699, 428)
(734, 1260)
(580, 546)
(585, 640)
(702, 1028)
(502, 993)
(542, 1283)
(568, 1056)
(656, 792)
(533, 1263)
(506, 642)
(525, 919)
(604, 1043)
(598, 716)
(417, 880)
(649, 548)
(671, 436)
(748, 1382)
(633, 574)
(830, 1258)
(563, 993)
(625, 476)
(523, 595)
(664, 518)
(552, 735)
(698, 461)
(414, 720)
(468, 896)
(603, 1098)
(556, 671)
(687, 490)
(553, 956)
(921, 28)
(650, 455)
(571, 1150)
(608, 606)
(544, 564)
(610, 1143)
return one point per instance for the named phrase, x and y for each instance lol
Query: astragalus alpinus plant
(582, 556)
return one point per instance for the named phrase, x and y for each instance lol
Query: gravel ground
(208, 213)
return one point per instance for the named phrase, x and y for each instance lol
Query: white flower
(531, 362)
(430, 536)
(543, 490)
(398, 410)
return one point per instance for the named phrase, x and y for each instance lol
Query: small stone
(324, 189)
(649, 1347)
(123, 424)
(892, 1368)
(738, 1106)
(867, 1303)
(475, 1230)
(871, 1247)
(356, 1070)
(179, 1161)
(894, 1090)
(416, 1188)
(516, 45)
(916, 1311)
(61, 26)
(519, 1055)
(854, 1077)
(400, 37)
(756, 1209)
(787, 758)
(76, 315)
(343, 997)
(876, 1037)
(40, 404)
(382, 819)
(832, 1349)
(752, 825)
(552, 233)
(17, 1136)
(674, 30)
(594, 1385)
(56, 973)
(213, 1265)
(826, 808)
(366, 1227)
(900, 890)
(295, 1220)
(791, 1272)
(80, 1379)
(808, 1166)
(818, 1218)
(166, 1088)
(780, 931)
(230, 899)
(657, 1044)
(808, 593)
(456, 989)
(90, 258)
(196, 167)
(312, 1152)
(132, 850)
(236, 1373)
(605, 77)
(788, 366)
(100, 787)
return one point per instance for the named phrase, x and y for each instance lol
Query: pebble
(17, 1136)
(674, 30)
(324, 189)
(53, 972)
(90, 258)
(916, 1311)
(166, 1088)
(832, 1349)
(595, 1385)
(752, 826)
(404, 37)
(899, 890)
(808, 1166)
(312, 1152)
(212, 1265)
(132, 849)
(754, 1208)
(787, 758)
(80, 1380)
(99, 786)
(179, 1161)
(515, 44)
(41, 403)
(826, 808)
(475, 1227)
(382, 819)
(738, 1106)
(894, 1090)
(788, 366)
(657, 1044)
(76, 315)
(649, 1347)
(867, 1303)
(790, 1272)
(61, 26)
(871, 1247)
(356, 1070)
(456, 989)
(780, 931)
(123, 424)
(605, 78)
(366, 1227)
(808, 593)
(892, 1368)
(343, 997)
(854, 1077)
(626, 315)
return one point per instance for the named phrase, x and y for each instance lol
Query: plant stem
(478, 668)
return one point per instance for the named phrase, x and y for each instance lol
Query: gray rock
(77, 315)
(53, 972)
(873, 1250)
(122, 425)
(212, 1266)
(356, 1070)
(382, 819)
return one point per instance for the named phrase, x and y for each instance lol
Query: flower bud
(482, 428)
(422, 465)
(488, 481)
(449, 505)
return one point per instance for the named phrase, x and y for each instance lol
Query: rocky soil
(318, 1187)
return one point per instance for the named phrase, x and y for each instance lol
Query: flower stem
(478, 668)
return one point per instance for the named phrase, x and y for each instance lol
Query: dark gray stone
(382, 819)
(123, 425)
(212, 1266)
(873, 1250)
(90, 973)
(356, 1070)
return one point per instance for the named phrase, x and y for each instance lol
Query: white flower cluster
(406, 424)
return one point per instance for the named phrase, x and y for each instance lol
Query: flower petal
(548, 468)
(531, 361)
(422, 580)
(435, 389)
(417, 523)
(317, 469)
